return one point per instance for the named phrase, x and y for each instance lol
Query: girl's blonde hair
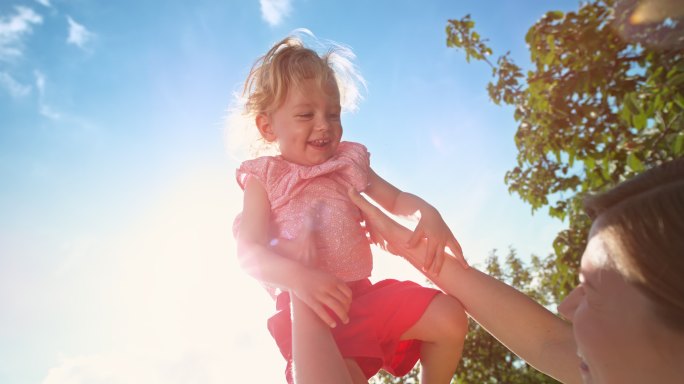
(286, 65)
(644, 218)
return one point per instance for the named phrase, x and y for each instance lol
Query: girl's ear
(263, 123)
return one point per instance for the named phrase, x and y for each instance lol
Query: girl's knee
(452, 319)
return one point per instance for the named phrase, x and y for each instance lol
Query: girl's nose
(569, 305)
(322, 124)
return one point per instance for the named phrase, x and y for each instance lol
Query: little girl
(293, 96)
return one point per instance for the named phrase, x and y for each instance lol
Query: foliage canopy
(602, 101)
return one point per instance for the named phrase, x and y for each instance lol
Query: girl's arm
(430, 227)
(525, 327)
(316, 288)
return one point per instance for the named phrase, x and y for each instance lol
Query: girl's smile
(321, 143)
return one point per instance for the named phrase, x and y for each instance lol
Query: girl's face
(618, 337)
(307, 126)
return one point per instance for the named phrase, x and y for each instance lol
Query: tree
(604, 100)
(485, 360)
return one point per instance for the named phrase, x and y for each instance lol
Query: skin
(310, 338)
(307, 127)
(308, 130)
(614, 336)
(618, 336)
(521, 324)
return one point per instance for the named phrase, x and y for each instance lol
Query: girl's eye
(335, 116)
(305, 115)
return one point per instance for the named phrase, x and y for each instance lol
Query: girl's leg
(315, 355)
(442, 329)
(355, 371)
(314, 352)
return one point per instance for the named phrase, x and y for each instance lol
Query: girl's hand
(438, 236)
(319, 290)
(322, 291)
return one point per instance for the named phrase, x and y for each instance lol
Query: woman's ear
(263, 123)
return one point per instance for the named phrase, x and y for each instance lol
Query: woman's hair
(644, 216)
(287, 64)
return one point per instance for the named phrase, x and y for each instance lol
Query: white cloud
(45, 3)
(13, 28)
(49, 112)
(40, 82)
(15, 88)
(55, 113)
(273, 11)
(78, 34)
(43, 108)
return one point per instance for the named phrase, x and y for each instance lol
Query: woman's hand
(383, 231)
(438, 236)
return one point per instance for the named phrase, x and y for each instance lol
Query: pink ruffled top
(293, 189)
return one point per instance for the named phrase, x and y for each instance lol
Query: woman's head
(628, 311)
(643, 219)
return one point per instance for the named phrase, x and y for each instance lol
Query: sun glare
(184, 311)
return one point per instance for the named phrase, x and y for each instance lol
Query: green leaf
(640, 121)
(626, 115)
(631, 103)
(657, 104)
(555, 15)
(589, 163)
(605, 168)
(679, 99)
(676, 79)
(550, 42)
(678, 144)
(634, 163)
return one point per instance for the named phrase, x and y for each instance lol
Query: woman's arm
(525, 327)
(316, 288)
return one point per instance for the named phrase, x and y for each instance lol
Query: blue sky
(118, 193)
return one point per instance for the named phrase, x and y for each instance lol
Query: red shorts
(379, 314)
